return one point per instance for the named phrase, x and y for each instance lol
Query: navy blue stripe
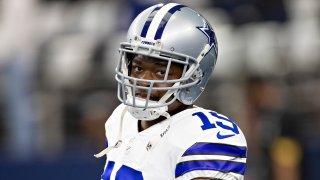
(148, 22)
(165, 20)
(128, 173)
(216, 149)
(224, 166)
(107, 172)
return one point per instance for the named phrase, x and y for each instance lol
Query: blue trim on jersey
(127, 173)
(216, 149)
(107, 144)
(107, 172)
(124, 173)
(165, 20)
(223, 166)
(148, 22)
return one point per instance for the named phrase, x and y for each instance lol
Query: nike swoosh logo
(219, 136)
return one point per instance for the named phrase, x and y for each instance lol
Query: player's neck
(142, 125)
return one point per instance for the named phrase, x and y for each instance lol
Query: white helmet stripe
(165, 20)
(149, 20)
(157, 19)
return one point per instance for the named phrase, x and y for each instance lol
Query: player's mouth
(143, 95)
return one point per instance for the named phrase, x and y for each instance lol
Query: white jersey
(191, 144)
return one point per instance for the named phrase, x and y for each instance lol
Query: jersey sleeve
(218, 154)
(212, 160)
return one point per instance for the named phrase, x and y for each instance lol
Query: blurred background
(57, 87)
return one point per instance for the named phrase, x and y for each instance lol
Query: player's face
(148, 68)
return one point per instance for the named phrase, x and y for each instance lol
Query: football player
(156, 133)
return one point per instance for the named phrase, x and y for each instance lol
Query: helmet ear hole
(185, 97)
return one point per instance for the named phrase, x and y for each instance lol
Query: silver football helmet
(174, 33)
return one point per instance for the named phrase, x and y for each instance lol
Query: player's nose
(145, 78)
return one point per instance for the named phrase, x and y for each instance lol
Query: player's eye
(137, 69)
(161, 73)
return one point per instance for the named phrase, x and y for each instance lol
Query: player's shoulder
(208, 142)
(210, 126)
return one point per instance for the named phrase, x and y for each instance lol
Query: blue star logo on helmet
(207, 30)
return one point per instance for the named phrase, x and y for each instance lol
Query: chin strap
(204, 51)
(119, 142)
